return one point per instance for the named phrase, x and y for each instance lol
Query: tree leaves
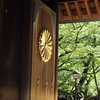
(79, 47)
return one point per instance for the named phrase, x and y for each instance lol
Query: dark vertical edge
(14, 50)
(27, 49)
(15, 53)
(0, 14)
(1, 53)
(1, 5)
(56, 52)
(1, 65)
(5, 39)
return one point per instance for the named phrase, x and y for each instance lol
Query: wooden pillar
(15, 49)
(16, 27)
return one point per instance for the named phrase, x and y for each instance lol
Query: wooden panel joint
(69, 11)
(97, 7)
(61, 17)
(78, 10)
(88, 9)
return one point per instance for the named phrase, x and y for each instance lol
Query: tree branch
(65, 69)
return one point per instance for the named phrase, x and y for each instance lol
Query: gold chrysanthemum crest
(45, 45)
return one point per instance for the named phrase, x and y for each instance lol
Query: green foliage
(79, 45)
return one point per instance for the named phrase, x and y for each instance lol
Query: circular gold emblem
(45, 45)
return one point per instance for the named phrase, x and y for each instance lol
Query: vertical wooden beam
(88, 9)
(56, 52)
(28, 11)
(78, 10)
(69, 11)
(97, 7)
(61, 17)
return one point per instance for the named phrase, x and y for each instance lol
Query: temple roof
(78, 10)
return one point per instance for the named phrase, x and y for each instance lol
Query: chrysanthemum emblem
(45, 45)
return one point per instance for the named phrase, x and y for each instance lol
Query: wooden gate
(43, 71)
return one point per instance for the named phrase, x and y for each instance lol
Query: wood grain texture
(42, 70)
(56, 55)
(27, 49)
(78, 10)
(61, 17)
(54, 6)
(70, 1)
(88, 9)
(15, 41)
(97, 7)
(68, 11)
(16, 55)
